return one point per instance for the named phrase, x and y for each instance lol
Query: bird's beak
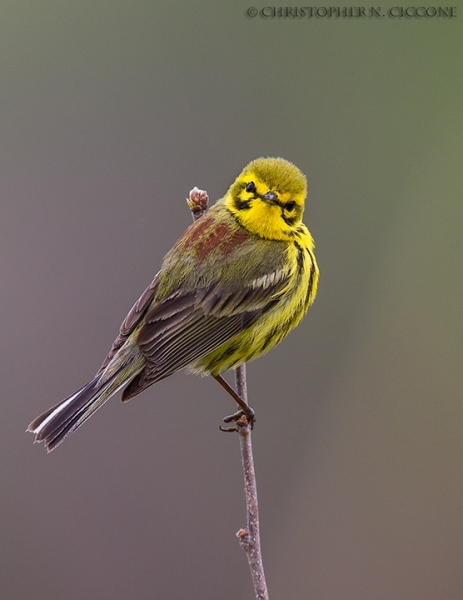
(270, 197)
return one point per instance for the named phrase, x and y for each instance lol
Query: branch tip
(198, 201)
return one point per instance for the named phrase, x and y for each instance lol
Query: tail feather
(58, 422)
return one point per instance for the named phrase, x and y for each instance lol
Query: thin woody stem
(250, 537)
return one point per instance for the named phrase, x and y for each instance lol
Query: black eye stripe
(242, 204)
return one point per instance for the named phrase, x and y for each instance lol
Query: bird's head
(268, 198)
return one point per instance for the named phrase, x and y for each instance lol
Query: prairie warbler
(234, 285)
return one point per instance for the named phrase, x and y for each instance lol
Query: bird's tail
(59, 421)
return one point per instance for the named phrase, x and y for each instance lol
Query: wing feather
(182, 329)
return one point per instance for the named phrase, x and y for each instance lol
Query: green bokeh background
(110, 113)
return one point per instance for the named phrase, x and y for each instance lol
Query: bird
(237, 281)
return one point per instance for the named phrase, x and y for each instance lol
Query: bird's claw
(240, 418)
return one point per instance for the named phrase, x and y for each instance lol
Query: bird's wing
(186, 326)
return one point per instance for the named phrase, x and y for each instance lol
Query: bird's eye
(251, 187)
(290, 206)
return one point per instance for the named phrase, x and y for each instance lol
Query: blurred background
(111, 112)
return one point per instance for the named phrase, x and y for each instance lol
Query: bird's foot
(241, 418)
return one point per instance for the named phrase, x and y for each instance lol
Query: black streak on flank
(227, 353)
(300, 257)
(242, 204)
(268, 339)
(311, 278)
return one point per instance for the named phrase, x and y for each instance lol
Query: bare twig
(249, 537)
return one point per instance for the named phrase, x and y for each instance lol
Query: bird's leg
(244, 411)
